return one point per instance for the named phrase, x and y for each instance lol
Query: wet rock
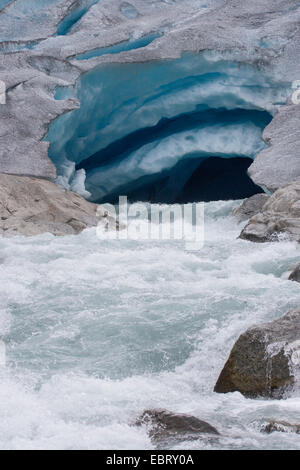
(281, 426)
(295, 274)
(31, 206)
(280, 216)
(167, 426)
(250, 207)
(265, 360)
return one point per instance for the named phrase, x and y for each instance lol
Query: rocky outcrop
(165, 426)
(31, 206)
(281, 426)
(295, 274)
(280, 216)
(250, 207)
(265, 360)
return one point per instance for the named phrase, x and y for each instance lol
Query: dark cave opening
(211, 179)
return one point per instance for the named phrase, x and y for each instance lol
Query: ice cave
(159, 131)
(170, 324)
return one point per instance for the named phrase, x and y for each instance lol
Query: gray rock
(31, 206)
(165, 426)
(281, 426)
(250, 207)
(265, 360)
(295, 274)
(280, 216)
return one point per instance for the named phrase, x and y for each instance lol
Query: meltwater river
(97, 331)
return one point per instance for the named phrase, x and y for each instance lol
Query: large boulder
(295, 274)
(250, 207)
(265, 360)
(165, 426)
(31, 206)
(280, 215)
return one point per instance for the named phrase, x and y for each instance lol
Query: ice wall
(166, 92)
(137, 122)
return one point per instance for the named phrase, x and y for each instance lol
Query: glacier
(137, 122)
(182, 60)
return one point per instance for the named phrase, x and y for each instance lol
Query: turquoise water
(98, 330)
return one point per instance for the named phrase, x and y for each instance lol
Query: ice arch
(152, 125)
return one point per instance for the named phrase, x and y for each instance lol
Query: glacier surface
(186, 80)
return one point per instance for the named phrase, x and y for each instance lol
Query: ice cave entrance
(164, 131)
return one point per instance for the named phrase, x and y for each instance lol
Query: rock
(165, 426)
(250, 207)
(265, 360)
(295, 274)
(281, 426)
(31, 206)
(280, 215)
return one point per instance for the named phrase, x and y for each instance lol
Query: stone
(281, 426)
(280, 217)
(165, 425)
(295, 274)
(265, 360)
(250, 207)
(32, 206)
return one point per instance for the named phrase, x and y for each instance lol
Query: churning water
(97, 331)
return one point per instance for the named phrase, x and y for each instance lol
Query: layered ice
(121, 47)
(140, 120)
(96, 331)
